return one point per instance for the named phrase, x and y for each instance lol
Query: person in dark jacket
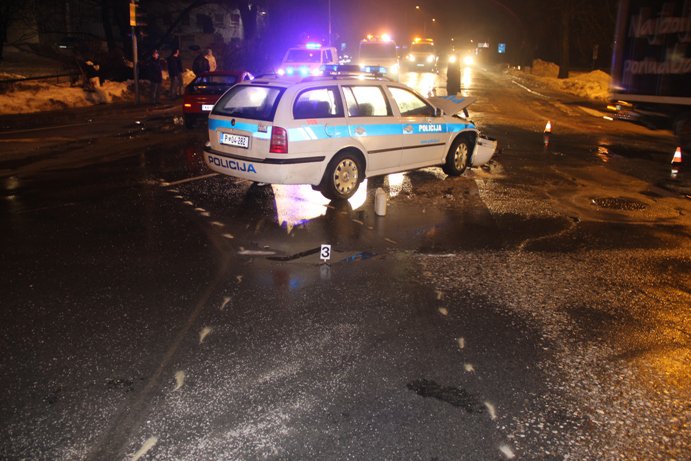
(155, 75)
(175, 74)
(201, 64)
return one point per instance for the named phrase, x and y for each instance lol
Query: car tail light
(279, 140)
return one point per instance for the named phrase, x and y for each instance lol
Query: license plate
(235, 140)
(207, 107)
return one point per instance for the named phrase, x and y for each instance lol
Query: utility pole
(135, 54)
(329, 22)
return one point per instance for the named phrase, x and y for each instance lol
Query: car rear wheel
(342, 177)
(458, 157)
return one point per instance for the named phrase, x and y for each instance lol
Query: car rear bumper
(269, 170)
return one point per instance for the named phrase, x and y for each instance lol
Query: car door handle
(408, 129)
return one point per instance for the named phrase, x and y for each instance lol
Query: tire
(458, 157)
(189, 122)
(342, 177)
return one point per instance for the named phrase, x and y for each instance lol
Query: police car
(307, 59)
(336, 130)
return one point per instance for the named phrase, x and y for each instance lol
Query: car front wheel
(458, 157)
(342, 177)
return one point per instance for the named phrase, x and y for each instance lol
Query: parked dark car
(203, 92)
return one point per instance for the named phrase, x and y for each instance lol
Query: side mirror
(438, 112)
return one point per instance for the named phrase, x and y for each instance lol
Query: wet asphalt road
(537, 308)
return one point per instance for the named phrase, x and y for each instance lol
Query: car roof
(338, 76)
(223, 73)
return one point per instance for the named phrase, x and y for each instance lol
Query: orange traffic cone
(677, 156)
(547, 133)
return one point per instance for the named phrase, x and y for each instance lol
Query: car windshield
(226, 80)
(422, 48)
(378, 50)
(249, 101)
(302, 55)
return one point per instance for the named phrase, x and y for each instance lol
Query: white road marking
(443, 311)
(204, 333)
(461, 343)
(528, 89)
(179, 380)
(469, 367)
(201, 210)
(180, 197)
(226, 300)
(239, 278)
(148, 445)
(256, 253)
(187, 202)
(217, 224)
(593, 112)
(173, 191)
(506, 451)
(357, 221)
(492, 411)
(391, 241)
(196, 178)
(440, 295)
(229, 236)
(206, 214)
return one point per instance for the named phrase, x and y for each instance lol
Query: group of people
(205, 62)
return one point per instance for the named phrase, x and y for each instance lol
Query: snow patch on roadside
(42, 95)
(591, 85)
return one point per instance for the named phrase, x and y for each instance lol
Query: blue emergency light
(313, 46)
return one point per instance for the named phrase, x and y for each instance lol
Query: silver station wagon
(336, 130)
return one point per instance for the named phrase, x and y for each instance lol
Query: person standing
(212, 60)
(175, 73)
(155, 71)
(201, 64)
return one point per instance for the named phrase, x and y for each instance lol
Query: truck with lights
(422, 55)
(651, 65)
(379, 54)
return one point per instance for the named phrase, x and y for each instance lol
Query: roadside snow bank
(591, 85)
(542, 68)
(39, 96)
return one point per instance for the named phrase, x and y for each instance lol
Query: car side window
(410, 104)
(318, 103)
(366, 101)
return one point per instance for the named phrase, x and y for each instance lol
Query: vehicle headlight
(394, 69)
(468, 60)
(430, 58)
(411, 58)
(453, 59)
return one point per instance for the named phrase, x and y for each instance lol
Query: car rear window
(249, 101)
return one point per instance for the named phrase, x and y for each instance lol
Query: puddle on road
(456, 396)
